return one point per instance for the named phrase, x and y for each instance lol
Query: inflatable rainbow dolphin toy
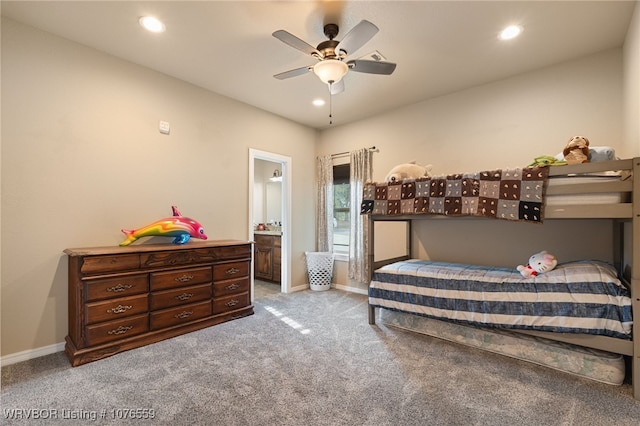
(178, 226)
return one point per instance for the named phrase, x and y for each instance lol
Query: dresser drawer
(233, 252)
(115, 308)
(196, 255)
(227, 287)
(176, 258)
(180, 315)
(110, 263)
(180, 296)
(230, 270)
(180, 278)
(116, 287)
(119, 329)
(230, 303)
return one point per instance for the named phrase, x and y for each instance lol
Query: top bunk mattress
(576, 181)
(576, 297)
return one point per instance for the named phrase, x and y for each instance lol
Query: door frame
(285, 164)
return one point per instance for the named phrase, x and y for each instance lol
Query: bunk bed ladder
(635, 279)
(373, 264)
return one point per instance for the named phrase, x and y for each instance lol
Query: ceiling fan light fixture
(330, 70)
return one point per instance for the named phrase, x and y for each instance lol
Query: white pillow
(601, 153)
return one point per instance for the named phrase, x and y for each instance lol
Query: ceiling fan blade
(336, 88)
(293, 73)
(357, 37)
(293, 41)
(372, 67)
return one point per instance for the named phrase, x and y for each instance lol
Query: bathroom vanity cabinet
(267, 260)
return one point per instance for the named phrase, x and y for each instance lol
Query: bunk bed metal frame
(622, 213)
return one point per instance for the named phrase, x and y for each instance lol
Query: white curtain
(324, 223)
(360, 173)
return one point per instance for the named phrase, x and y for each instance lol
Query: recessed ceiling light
(318, 102)
(512, 31)
(152, 24)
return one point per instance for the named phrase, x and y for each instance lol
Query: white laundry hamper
(320, 269)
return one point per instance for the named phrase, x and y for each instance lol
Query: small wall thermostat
(164, 127)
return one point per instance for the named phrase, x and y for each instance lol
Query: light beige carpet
(311, 358)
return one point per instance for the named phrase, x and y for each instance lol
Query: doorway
(270, 205)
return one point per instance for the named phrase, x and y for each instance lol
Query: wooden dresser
(122, 298)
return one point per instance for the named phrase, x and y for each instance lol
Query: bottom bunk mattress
(601, 366)
(576, 297)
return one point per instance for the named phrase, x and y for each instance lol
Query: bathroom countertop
(267, 233)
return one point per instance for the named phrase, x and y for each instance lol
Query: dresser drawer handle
(120, 288)
(231, 303)
(232, 271)
(185, 278)
(121, 330)
(185, 296)
(184, 314)
(119, 309)
(233, 286)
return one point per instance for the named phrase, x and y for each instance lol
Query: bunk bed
(601, 190)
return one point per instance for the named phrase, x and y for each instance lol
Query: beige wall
(82, 157)
(506, 123)
(631, 95)
(503, 124)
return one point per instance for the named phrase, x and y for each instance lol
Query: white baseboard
(351, 289)
(299, 288)
(336, 286)
(31, 354)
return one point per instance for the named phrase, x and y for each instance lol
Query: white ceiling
(440, 46)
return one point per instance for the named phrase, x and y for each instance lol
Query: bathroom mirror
(267, 190)
(273, 202)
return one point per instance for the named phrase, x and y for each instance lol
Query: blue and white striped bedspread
(576, 297)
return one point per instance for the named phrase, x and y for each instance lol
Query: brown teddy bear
(577, 150)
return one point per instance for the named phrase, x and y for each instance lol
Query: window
(341, 209)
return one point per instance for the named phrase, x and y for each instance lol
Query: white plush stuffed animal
(407, 171)
(538, 263)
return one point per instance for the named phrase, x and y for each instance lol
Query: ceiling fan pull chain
(331, 83)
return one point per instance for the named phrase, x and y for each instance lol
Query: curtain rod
(340, 154)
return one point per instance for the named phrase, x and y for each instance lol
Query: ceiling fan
(333, 53)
